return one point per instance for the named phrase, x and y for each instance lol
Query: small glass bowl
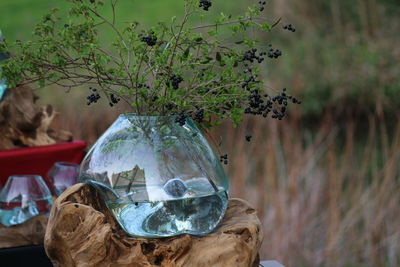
(23, 197)
(63, 175)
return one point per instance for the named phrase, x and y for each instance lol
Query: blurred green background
(326, 180)
(343, 55)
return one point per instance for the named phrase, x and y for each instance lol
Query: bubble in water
(175, 188)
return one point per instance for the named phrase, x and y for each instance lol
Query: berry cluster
(274, 53)
(142, 85)
(199, 115)
(251, 55)
(263, 105)
(114, 100)
(150, 39)
(205, 4)
(170, 106)
(296, 101)
(174, 81)
(255, 103)
(289, 27)
(250, 80)
(262, 4)
(94, 97)
(224, 159)
(154, 98)
(181, 118)
(248, 137)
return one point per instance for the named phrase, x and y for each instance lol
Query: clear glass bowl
(63, 175)
(158, 178)
(23, 197)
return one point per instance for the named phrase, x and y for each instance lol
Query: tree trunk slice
(82, 232)
(28, 233)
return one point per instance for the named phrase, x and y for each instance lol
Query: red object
(38, 160)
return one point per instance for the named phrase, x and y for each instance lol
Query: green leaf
(206, 60)
(186, 53)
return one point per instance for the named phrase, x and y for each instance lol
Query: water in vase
(20, 210)
(194, 207)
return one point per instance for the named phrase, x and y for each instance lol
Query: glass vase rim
(154, 118)
(66, 164)
(37, 176)
(131, 114)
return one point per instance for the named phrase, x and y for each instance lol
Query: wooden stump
(82, 232)
(28, 233)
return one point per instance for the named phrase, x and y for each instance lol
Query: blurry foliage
(214, 60)
(343, 54)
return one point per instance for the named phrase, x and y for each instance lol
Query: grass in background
(326, 200)
(19, 17)
(343, 55)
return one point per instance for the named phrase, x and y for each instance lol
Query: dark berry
(262, 4)
(94, 97)
(199, 115)
(224, 159)
(174, 81)
(274, 53)
(150, 39)
(169, 106)
(114, 100)
(181, 119)
(289, 27)
(205, 4)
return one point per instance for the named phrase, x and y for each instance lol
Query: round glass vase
(158, 178)
(22, 198)
(62, 175)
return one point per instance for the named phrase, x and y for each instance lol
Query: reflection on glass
(158, 178)
(23, 197)
(62, 176)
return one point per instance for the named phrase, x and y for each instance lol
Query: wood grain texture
(82, 232)
(28, 233)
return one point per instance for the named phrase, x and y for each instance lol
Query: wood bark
(28, 233)
(82, 232)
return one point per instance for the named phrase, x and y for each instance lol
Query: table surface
(24, 256)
